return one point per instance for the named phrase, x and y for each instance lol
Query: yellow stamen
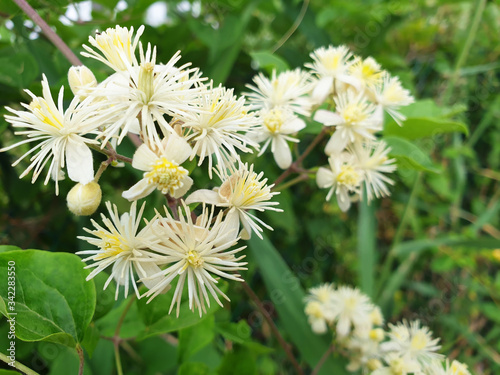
(166, 175)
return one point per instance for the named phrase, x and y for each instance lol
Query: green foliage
(60, 308)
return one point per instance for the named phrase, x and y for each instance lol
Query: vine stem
(293, 28)
(79, 350)
(323, 359)
(51, 35)
(111, 153)
(116, 337)
(19, 366)
(276, 332)
(295, 167)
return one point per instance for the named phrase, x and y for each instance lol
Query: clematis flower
(60, 136)
(162, 169)
(242, 190)
(198, 253)
(278, 124)
(122, 246)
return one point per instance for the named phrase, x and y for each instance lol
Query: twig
(51, 35)
(111, 153)
(323, 359)
(19, 366)
(79, 350)
(276, 332)
(116, 337)
(292, 29)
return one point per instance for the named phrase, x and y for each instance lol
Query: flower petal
(140, 190)
(79, 161)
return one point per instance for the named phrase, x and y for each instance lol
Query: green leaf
(424, 119)
(409, 156)
(269, 61)
(91, 338)
(53, 301)
(194, 368)
(5, 248)
(288, 298)
(105, 299)
(237, 332)
(240, 361)
(194, 338)
(18, 70)
(406, 248)
(157, 319)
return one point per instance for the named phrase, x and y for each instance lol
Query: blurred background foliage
(430, 251)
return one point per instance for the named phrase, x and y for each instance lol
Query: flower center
(348, 176)
(418, 341)
(353, 114)
(314, 309)
(273, 120)
(111, 246)
(146, 81)
(167, 175)
(41, 113)
(243, 189)
(194, 259)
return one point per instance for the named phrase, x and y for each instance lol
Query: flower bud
(80, 79)
(83, 200)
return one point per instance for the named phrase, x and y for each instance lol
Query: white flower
(367, 71)
(198, 253)
(81, 81)
(372, 160)
(390, 96)
(121, 245)
(342, 177)
(287, 89)
(242, 190)
(59, 135)
(331, 65)
(218, 126)
(319, 309)
(355, 120)
(147, 92)
(397, 365)
(162, 169)
(116, 46)
(413, 341)
(351, 309)
(277, 126)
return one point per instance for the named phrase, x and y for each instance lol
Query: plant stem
(296, 165)
(111, 153)
(51, 35)
(79, 350)
(116, 337)
(293, 28)
(276, 332)
(19, 366)
(389, 261)
(322, 360)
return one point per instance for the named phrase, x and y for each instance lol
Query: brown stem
(296, 165)
(51, 35)
(276, 332)
(322, 360)
(111, 153)
(79, 350)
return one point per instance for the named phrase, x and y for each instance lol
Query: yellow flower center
(273, 120)
(194, 259)
(111, 41)
(348, 176)
(167, 175)
(313, 309)
(419, 341)
(243, 189)
(111, 245)
(146, 81)
(40, 112)
(353, 114)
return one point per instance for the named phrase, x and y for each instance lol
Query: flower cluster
(348, 95)
(357, 325)
(174, 115)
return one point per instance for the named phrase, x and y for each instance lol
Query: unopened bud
(80, 79)
(83, 200)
